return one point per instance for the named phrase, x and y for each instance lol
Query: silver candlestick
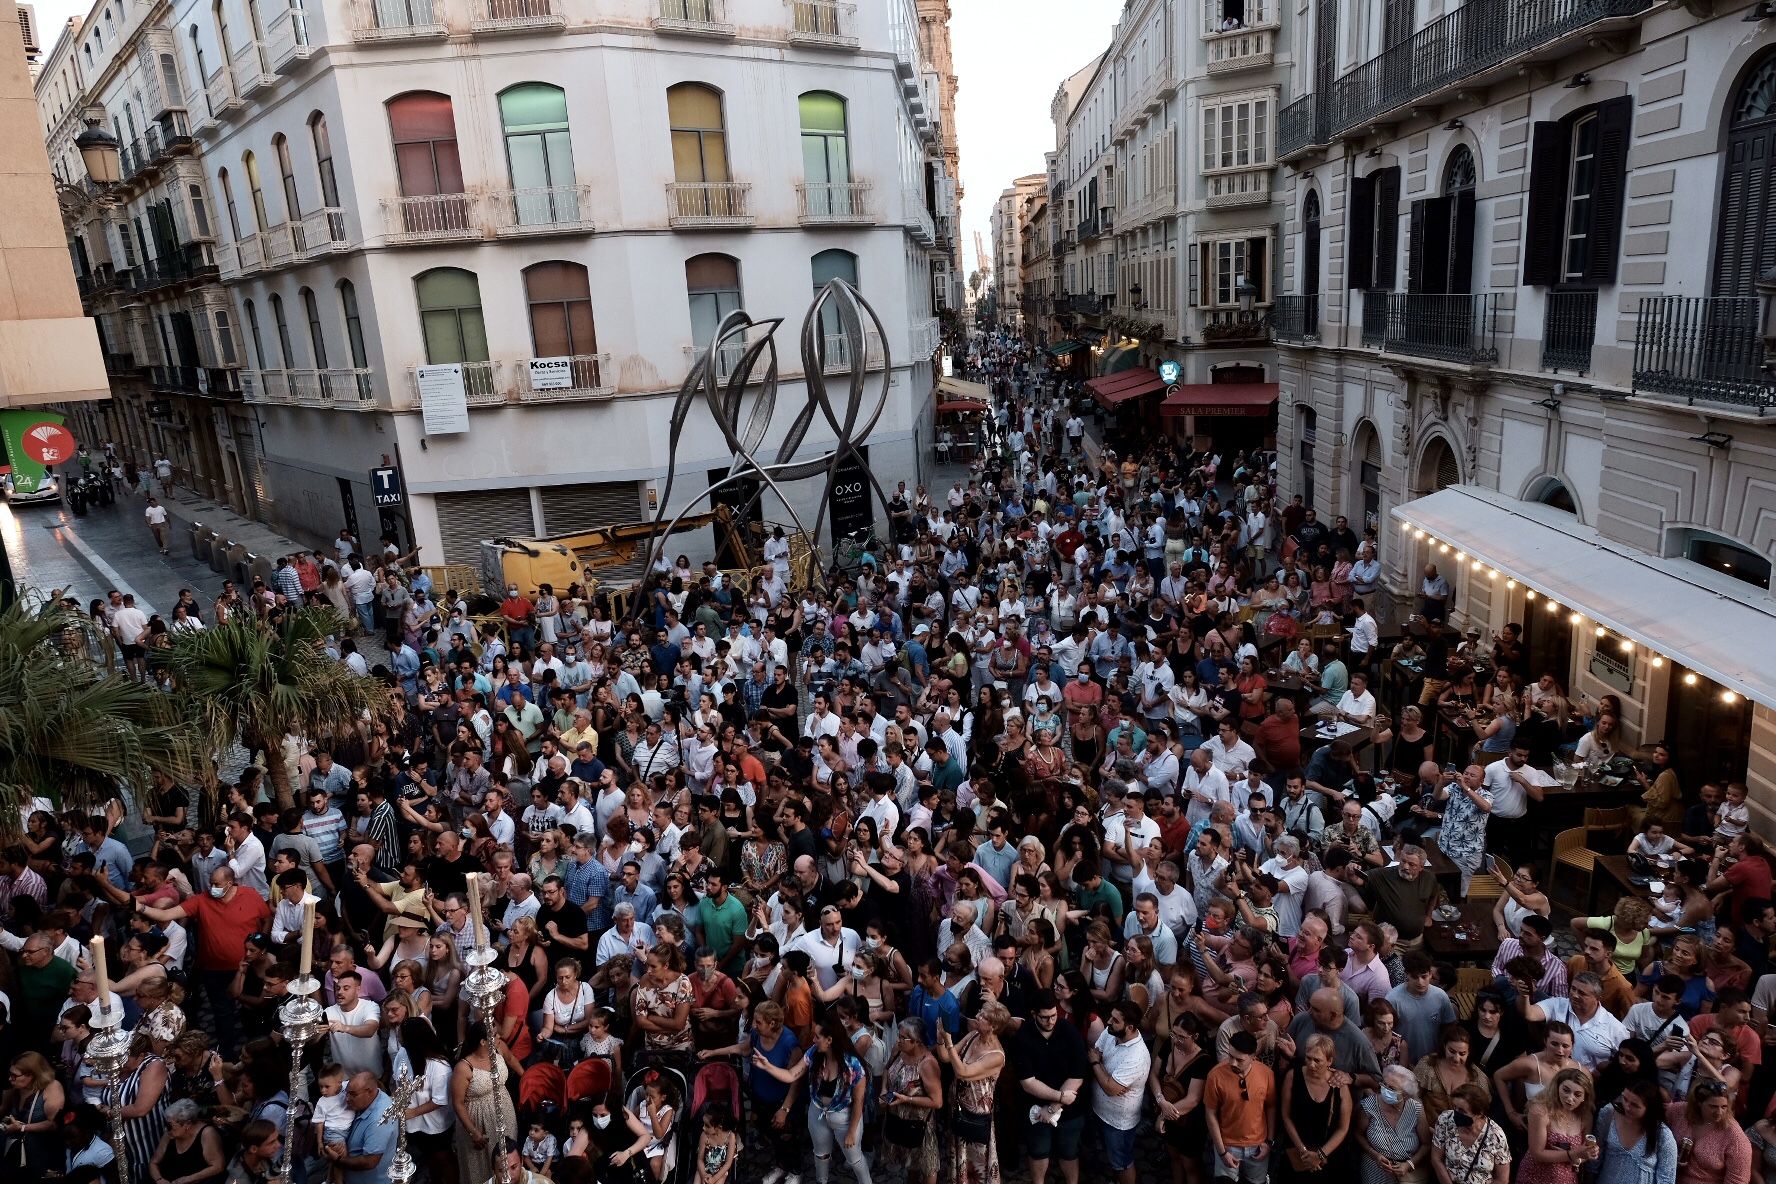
(302, 1017)
(486, 988)
(401, 1169)
(107, 1053)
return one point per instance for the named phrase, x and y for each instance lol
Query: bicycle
(848, 552)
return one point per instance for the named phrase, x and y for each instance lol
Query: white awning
(1687, 612)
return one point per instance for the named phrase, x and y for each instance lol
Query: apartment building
(940, 87)
(1524, 327)
(144, 254)
(1008, 218)
(547, 207)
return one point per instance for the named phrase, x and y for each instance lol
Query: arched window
(1369, 477)
(283, 331)
(354, 324)
(1438, 468)
(423, 128)
(560, 299)
(826, 154)
(829, 265)
(250, 165)
(1552, 491)
(713, 283)
(539, 154)
(1725, 556)
(169, 77)
(292, 204)
(196, 52)
(1459, 174)
(1310, 244)
(316, 341)
(228, 203)
(699, 141)
(1746, 246)
(450, 316)
(253, 331)
(323, 150)
(222, 44)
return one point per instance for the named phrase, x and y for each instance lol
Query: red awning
(1221, 398)
(1114, 389)
(961, 405)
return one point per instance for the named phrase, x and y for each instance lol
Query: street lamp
(98, 152)
(1247, 293)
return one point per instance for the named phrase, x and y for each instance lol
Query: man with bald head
(960, 926)
(226, 916)
(365, 1150)
(1353, 1056)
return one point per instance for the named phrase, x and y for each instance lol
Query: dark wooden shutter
(1615, 127)
(1387, 226)
(1461, 246)
(1747, 243)
(1258, 268)
(1544, 235)
(1427, 246)
(1359, 245)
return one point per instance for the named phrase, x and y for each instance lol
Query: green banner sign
(35, 441)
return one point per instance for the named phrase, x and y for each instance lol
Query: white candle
(308, 936)
(475, 912)
(99, 971)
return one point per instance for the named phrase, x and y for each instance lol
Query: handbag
(903, 1132)
(971, 1127)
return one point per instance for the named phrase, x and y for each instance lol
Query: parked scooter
(76, 492)
(104, 491)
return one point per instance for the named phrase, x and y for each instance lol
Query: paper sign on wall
(443, 399)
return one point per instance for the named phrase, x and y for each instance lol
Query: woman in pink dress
(1560, 1131)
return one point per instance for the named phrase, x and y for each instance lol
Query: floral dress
(977, 1163)
(902, 1079)
(661, 1002)
(1534, 1171)
(1471, 1165)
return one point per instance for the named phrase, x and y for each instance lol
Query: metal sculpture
(850, 427)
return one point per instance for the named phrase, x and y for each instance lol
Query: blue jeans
(829, 1128)
(1250, 1168)
(366, 615)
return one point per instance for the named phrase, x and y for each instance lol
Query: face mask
(1084, 677)
(859, 973)
(601, 1120)
(635, 848)
(1463, 1120)
(872, 943)
(1392, 1096)
(468, 832)
(217, 891)
(511, 591)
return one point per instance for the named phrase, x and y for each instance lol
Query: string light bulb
(1577, 618)
(1601, 631)
(1492, 574)
(1656, 662)
(1528, 593)
(1460, 558)
(1690, 679)
(1442, 548)
(1627, 647)
(1729, 697)
(1478, 565)
(1418, 534)
(1553, 606)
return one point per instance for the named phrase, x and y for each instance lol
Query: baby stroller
(590, 1082)
(542, 1095)
(717, 1084)
(679, 1145)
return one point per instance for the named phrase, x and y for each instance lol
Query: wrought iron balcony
(398, 20)
(517, 16)
(1296, 318)
(1089, 228)
(1708, 349)
(834, 203)
(825, 23)
(693, 18)
(1458, 327)
(280, 245)
(552, 209)
(1569, 327)
(120, 363)
(1473, 39)
(241, 258)
(727, 360)
(1300, 126)
(1234, 326)
(709, 205)
(437, 217)
(584, 376)
(343, 387)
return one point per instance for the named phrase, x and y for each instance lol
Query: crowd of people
(1001, 856)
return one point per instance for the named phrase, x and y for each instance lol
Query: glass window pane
(814, 159)
(556, 281)
(449, 287)
(529, 168)
(418, 172)
(711, 273)
(443, 339)
(715, 157)
(690, 105)
(548, 330)
(533, 107)
(823, 111)
(558, 149)
(421, 117)
(687, 157)
(834, 265)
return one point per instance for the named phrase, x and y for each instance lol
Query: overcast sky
(1010, 56)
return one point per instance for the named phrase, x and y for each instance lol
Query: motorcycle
(104, 491)
(77, 496)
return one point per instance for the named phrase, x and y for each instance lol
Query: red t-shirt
(516, 1006)
(1280, 742)
(223, 926)
(1750, 878)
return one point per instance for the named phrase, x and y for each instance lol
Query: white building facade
(1523, 319)
(410, 183)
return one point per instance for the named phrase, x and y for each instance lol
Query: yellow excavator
(593, 557)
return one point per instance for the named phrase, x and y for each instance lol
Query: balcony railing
(397, 20)
(1569, 327)
(1235, 326)
(924, 337)
(836, 353)
(280, 245)
(252, 68)
(709, 205)
(438, 217)
(1296, 318)
(243, 257)
(288, 42)
(481, 384)
(554, 209)
(1471, 40)
(1459, 327)
(1375, 317)
(693, 18)
(219, 93)
(1299, 126)
(321, 231)
(586, 376)
(1245, 187)
(823, 23)
(727, 359)
(1242, 49)
(1709, 349)
(833, 203)
(120, 363)
(517, 16)
(1088, 228)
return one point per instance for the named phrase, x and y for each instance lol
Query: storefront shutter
(465, 518)
(574, 509)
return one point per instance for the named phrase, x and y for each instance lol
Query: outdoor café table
(1478, 942)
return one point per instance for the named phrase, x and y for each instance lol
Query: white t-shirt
(156, 515)
(130, 623)
(435, 1087)
(1360, 706)
(1287, 904)
(1128, 1063)
(354, 1053)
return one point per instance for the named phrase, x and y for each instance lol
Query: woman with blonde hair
(409, 977)
(1628, 925)
(976, 1061)
(32, 1102)
(1559, 1119)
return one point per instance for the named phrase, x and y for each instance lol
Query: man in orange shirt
(1239, 1102)
(1278, 739)
(225, 919)
(798, 996)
